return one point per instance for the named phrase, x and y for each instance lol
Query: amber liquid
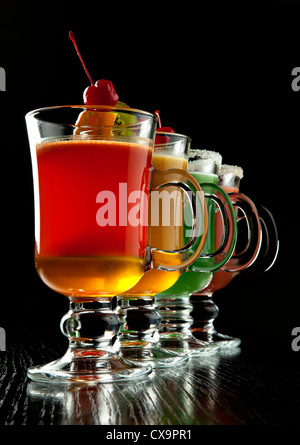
(170, 236)
(89, 275)
(74, 255)
(163, 237)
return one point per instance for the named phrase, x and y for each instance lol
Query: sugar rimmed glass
(174, 304)
(258, 255)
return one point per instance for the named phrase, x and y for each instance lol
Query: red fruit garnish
(160, 140)
(165, 130)
(100, 93)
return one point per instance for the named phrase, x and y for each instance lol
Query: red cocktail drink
(85, 247)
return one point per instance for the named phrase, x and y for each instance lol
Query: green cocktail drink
(191, 279)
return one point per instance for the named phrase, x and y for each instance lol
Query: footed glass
(174, 304)
(259, 252)
(139, 334)
(91, 174)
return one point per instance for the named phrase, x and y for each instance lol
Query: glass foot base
(155, 356)
(225, 341)
(187, 345)
(221, 340)
(88, 366)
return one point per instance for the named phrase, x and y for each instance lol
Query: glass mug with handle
(91, 175)
(173, 304)
(202, 165)
(260, 248)
(140, 321)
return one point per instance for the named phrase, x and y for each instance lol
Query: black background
(222, 76)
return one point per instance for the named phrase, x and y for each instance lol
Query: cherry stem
(158, 115)
(71, 35)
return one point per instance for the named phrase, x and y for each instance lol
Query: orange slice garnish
(95, 123)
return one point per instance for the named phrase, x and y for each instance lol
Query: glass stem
(204, 314)
(175, 313)
(139, 322)
(91, 324)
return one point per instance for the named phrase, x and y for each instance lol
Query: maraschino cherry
(100, 93)
(159, 139)
(165, 130)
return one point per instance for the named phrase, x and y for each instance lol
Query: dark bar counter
(247, 386)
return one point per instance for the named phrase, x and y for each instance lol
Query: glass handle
(244, 259)
(270, 243)
(181, 258)
(211, 260)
